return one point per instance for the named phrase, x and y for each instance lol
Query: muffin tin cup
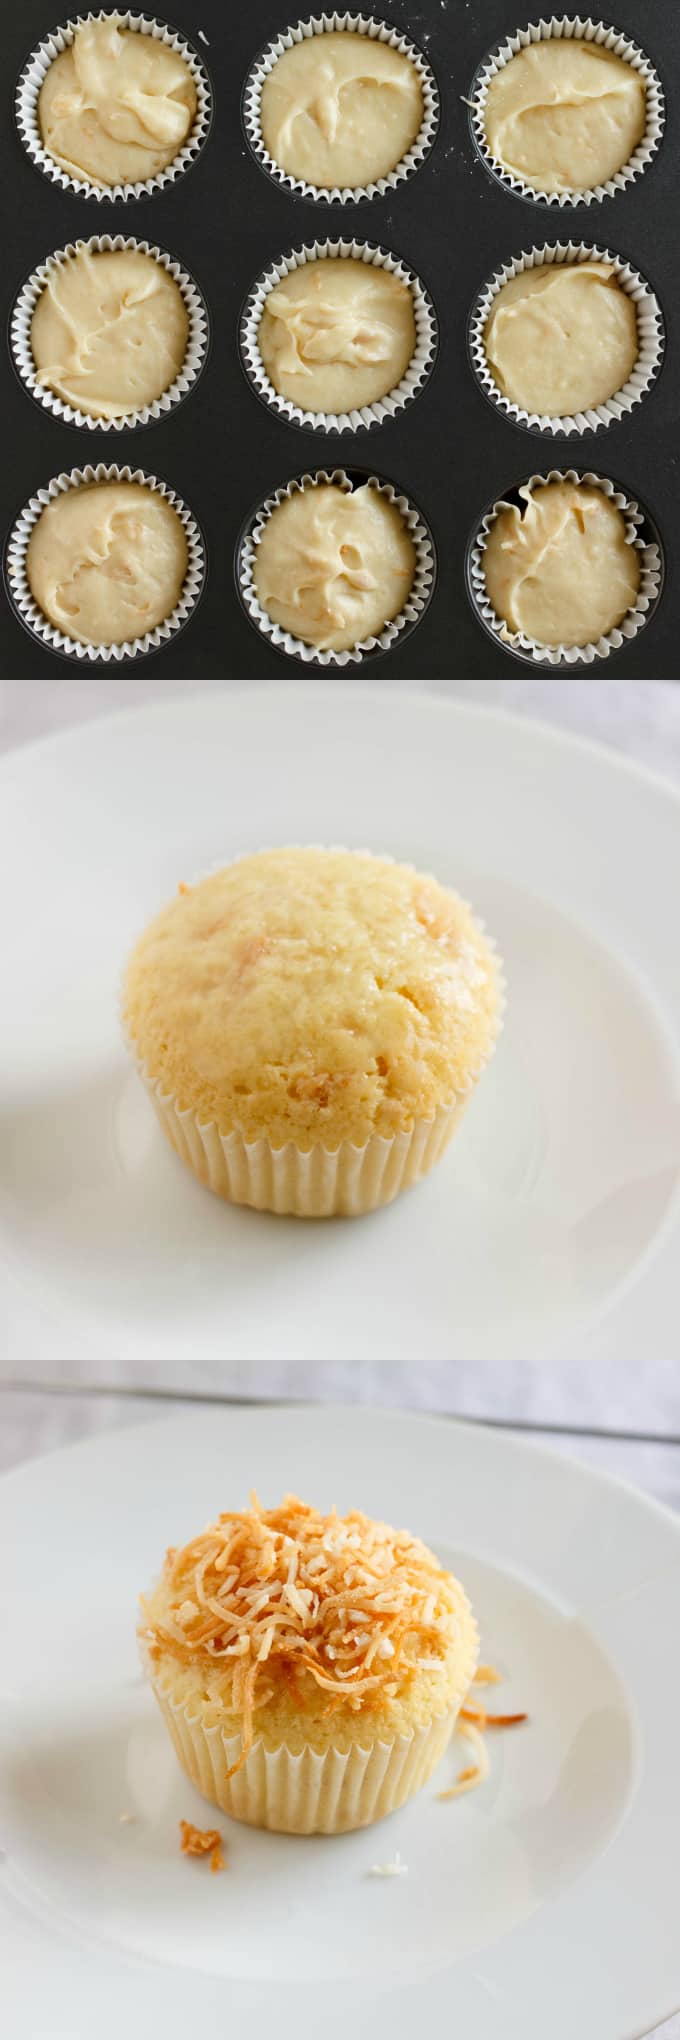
(641, 534)
(409, 616)
(147, 414)
(651, 341)
(307, 1792)
(32, 616)
(28, 91)
(412, 382)
(354, 24)
(346, 1181)
(583, 29)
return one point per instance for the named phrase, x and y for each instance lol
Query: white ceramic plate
(564, 1177)
(545, 1902)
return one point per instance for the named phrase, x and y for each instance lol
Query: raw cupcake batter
(341, 109)
(107, 562)
(334, 567)
(337, 334)
(561, 569)
(116, 105)
(109, 332)
(565, 115)
(562, 338)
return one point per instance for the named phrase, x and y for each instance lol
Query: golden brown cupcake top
(313, 996)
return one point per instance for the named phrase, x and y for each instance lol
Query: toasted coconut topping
(470, 1724)
(202, 1842)
(354, 1606)
(472, 1774)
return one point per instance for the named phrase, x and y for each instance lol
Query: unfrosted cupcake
(309, 1668)
(116, 105)
(340, 109)
(310, 1024)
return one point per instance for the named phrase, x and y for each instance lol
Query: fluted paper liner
(346, 1181)
(651, 577)
(415, 375)
(580, 28)
(28, 92)
(650, 331)
(306, 1793)
(145, 414)
(32, 616)
(353, 24)
(419, 593)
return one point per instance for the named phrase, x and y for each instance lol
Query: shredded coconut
(394, 1869)
(272, 1585)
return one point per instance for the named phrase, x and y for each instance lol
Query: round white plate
(564, 1176)
(545, 1902)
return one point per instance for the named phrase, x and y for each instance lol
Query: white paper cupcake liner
(346, 1181)
(146, 414)
(354, 24)
(639, 533)
(409, 616)
(419, 368)
(309, 1792)
(31, 80)
(32, 616)
(650, 329)
(583, 29)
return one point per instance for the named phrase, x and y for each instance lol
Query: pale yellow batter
(109, 331)
(562, 338)
(116, 105)
(337, 334)
(342, 109)
(107, 562)
(561, 569)
(332, 567)
(565, 115)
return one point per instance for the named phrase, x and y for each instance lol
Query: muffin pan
(450, 451)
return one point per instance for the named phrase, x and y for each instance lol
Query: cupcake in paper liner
(566, 570)
(310, 1025)
(78, 101)
(109, 334)
(566, 339)
(309, 1668)
(106, 563)
(335, 566)
(340, 108)
(338, 336)
(541, 111)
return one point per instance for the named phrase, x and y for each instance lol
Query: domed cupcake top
(334, 1609)
(313, 996)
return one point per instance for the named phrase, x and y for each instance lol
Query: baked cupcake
(116, 105)
(340, 109)
(561, 569)
(310, 1024)
(565, 114)
(336, 335)
(333, 566)
(107, 561)
(109, 331)
(561, 337)
(309, 1668)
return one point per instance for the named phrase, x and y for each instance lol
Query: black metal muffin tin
(222, 449)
